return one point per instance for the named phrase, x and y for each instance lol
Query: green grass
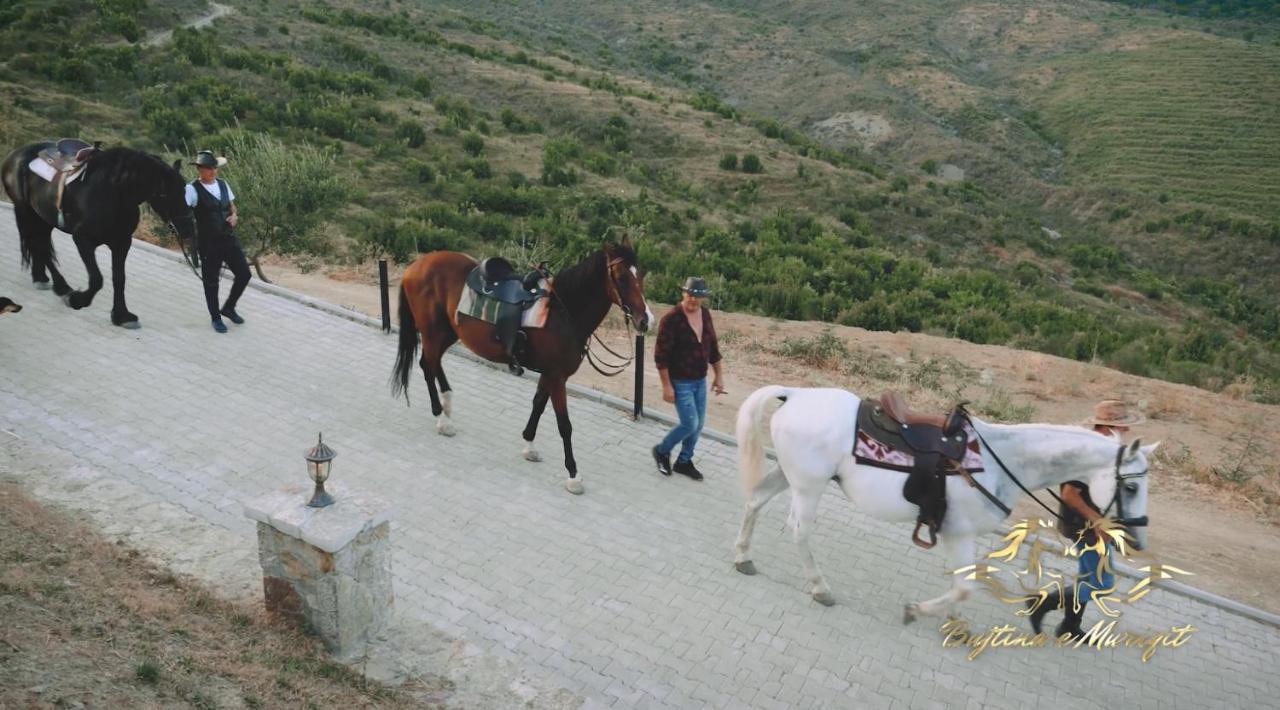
(1195, 118)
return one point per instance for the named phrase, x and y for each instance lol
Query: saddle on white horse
(930, 447)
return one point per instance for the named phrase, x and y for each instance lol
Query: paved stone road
(625, 596)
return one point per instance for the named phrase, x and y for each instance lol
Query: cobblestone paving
(625, 596)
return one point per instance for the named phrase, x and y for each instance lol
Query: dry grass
(88, 623)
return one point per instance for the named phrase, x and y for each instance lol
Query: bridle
(608, 369)
(1117, 500)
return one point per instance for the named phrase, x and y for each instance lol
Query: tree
(283, 192)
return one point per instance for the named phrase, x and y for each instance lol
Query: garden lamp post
(319, 459)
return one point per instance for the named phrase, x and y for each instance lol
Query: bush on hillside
(287, 190)
(751, 164)
(729, 161)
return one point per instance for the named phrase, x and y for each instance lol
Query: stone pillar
(328, 568)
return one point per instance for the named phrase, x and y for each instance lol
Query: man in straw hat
(1111, 418)
(214, 206)
(686, 346)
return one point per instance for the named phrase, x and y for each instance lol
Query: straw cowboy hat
(1113, 412)
(205, 159)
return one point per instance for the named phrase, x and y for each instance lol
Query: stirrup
(915, 536)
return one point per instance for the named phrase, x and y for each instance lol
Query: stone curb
(587, 393)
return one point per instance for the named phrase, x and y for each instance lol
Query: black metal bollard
(386, 298)
(639, 404)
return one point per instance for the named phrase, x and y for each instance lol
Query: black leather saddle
(937, 444)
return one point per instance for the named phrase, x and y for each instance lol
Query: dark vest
(211, 214)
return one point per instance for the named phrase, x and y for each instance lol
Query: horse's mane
(130, 169)
(574, 278)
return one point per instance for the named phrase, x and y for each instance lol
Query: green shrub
(412, 133)
(289, 190)
(729, 161)
(930, 166)
(473, 144)
(822, 350)
(422, 85)
(751, 164)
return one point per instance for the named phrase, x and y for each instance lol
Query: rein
(592, 358)
(193, 258)
(1000, 463)
(1116, 498)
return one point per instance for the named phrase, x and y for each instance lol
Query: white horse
(813, 437)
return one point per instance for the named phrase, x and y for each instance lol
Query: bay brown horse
(581, 297)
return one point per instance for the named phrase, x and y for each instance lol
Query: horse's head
(626, 283)
(168, 199)
(1121, 489)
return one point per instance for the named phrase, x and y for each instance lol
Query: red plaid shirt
(678, 350)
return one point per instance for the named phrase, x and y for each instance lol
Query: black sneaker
(231, 315)
(686, 468)
(663, 461)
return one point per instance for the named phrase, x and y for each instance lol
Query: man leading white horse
(813, 436)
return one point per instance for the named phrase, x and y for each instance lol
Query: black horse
(99, 207)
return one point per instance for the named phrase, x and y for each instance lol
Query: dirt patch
(91, 624)
(866, 128)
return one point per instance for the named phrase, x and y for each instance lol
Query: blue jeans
(691, 407)
(1092, 579)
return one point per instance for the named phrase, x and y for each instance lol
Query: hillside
(900, 166)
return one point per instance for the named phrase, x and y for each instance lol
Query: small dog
(7, 306)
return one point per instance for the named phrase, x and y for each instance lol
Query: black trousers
(212, 257)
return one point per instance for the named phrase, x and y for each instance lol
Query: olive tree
(283, 192)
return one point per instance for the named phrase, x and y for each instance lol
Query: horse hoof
(130, 325)
(747, 567)
(574, 486)
(910, 613)
(446, 430)
(42, 285)
(824, 598)
(531, 454)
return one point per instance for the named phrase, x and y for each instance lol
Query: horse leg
(81, 299)
(960, 552)
(804, 513)
(559, 402)
(441, 406)
(37, 241)
(770, 486)
(119, 314)
(531, 429)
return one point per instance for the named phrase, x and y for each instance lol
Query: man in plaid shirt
(686, 345)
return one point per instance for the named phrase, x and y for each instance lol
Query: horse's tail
(16, 187)
(407, 351)
(749, 430)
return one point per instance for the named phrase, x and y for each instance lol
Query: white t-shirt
(215, 189)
